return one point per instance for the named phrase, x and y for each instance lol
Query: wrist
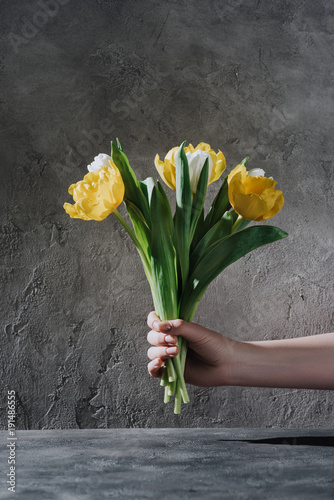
(243, 362)
(232, 361)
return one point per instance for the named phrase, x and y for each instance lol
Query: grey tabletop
(170, 463)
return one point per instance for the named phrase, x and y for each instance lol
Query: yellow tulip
(252, 195)
(97, 195)
(196, 159)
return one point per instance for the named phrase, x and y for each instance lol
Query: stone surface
(249, 77)
(173, 463)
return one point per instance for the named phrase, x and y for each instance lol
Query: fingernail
(165, 327)
(177, 322)
(171, 350)
(170, 340)
(155, 325)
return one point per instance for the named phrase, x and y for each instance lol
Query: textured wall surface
(249, 77)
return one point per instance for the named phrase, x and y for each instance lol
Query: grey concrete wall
(249, 77)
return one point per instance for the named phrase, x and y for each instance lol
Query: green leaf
(199, 198)
(198, 231)
(147, 186)
(165, 199)
(163, 258)
(220, 205)
(220, 230)
(220, 255)
(119, 145)
(183, 211)
(143, 232)
(133, 191)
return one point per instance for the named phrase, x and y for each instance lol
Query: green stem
(178, 399)
(127, 228)
(237, 224)
(171, 388)
(172, 378)
(179, 371)
(166, 396)
(171, 370)
(173, 374)
(146, 263)
(184, 350)
(164, 377)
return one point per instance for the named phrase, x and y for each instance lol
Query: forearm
(306, 362)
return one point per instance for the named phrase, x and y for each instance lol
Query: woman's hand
(210, 355)
(212, 359)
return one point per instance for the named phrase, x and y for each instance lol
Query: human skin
(215, 360)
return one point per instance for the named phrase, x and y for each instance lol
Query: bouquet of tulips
(184, 252)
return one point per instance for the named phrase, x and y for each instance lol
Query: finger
(156, 324)
(151, 318)
(192, 332)
(157, 338)
(163, 326)
(155, 367)
(162, 352)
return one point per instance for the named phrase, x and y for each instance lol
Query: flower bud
(196, 158)
(97, 195)
(252, 195)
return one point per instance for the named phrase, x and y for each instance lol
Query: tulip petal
(258, 184)
(189, 149)
(203, 146)
(249, 206)
(101, 160)
(196, 162)
(270, 196)
(256, 172)
(71, 210)
(219, 165)
(279, 202)
(167, 171)
(171, 155)
(235, 185)
(239, 169)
